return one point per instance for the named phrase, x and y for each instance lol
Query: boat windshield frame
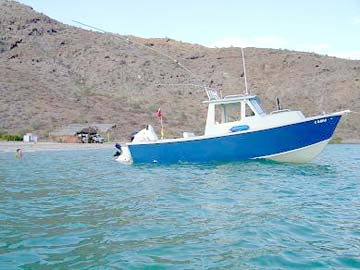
(257, 106)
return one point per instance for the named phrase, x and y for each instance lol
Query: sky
(328, 27)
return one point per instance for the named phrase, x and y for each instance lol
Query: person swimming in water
(19, 153)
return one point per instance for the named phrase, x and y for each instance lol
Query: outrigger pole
(128, 40)
(244, 68)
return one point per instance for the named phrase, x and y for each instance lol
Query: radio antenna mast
(244, 68)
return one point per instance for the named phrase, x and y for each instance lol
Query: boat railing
(280, 111)
(233, 96)
(212, 93)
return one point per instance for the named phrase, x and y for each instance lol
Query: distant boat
(237, 128)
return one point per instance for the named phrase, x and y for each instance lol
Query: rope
(143, 45)
(181, 84)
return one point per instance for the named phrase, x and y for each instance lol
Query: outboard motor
(119, 150)
(123, 154)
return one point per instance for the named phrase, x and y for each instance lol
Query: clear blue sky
(324, 26)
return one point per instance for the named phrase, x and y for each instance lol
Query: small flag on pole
(159, 115)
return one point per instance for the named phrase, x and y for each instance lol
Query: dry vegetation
(54, 74)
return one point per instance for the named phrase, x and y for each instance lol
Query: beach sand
(50, 146)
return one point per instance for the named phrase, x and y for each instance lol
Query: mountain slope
(54, 74)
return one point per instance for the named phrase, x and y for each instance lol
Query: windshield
(226, 113)
(255, 102)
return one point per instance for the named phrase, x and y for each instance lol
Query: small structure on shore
(69, 133)
(29, 137)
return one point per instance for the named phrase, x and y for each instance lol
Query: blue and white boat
(237, 128)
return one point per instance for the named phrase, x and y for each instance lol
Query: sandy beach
(50, 146)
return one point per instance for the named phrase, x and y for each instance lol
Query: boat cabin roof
(229, 99)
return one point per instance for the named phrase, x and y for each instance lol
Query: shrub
(11, 137)
(336, 140)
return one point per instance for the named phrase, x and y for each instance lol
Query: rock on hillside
(54, 74)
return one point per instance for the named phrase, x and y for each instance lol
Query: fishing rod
(127, 39)
(203, 87)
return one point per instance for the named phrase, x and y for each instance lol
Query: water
(82, 210)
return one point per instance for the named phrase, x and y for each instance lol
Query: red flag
(159, 113)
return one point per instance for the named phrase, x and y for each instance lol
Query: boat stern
(124, 156)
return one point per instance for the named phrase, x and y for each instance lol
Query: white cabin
(243, 113)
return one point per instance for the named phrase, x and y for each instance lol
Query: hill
(54, 74)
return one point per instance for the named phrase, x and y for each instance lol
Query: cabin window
(218, 114)
(232, 112)
(248, 111)
(255, 102)
(227, 113)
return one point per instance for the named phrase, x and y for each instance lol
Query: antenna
(243, 62)
(278, 103)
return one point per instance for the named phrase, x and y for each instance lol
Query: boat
(238, 128)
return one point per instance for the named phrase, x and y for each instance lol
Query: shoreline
(349, 141)
(11, 146)
(6, 147)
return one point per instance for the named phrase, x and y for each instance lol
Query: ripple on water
(82, 210)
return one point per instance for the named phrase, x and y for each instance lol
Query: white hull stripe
(300, 155)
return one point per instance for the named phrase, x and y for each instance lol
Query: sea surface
(83, 210)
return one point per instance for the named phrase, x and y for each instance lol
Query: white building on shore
(29, 137)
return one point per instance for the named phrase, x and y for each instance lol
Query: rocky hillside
(53, 74)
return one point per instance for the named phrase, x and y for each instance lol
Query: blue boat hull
(237, 146)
